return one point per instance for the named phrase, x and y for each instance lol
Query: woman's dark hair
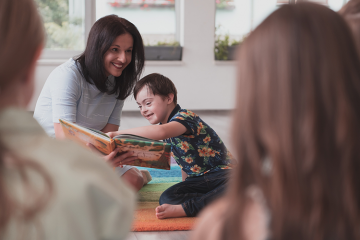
(91, 61)
(158, 84)
(298, 111)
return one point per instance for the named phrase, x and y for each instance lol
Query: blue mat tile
(161, 176)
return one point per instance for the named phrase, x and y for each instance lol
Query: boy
(197, 149)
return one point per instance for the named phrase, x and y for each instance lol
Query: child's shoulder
(185, 113)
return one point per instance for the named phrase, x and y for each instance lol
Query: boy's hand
(112, 134)
(115, 158)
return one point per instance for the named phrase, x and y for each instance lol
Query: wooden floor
(169, 235)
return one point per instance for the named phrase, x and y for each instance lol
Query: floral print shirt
(201, 151)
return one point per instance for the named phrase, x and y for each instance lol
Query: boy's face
(153, 107)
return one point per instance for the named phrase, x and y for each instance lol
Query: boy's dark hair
(158, 84)
(91, 61)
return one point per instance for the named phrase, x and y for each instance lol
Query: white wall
(202, 82)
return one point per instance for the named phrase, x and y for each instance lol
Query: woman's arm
(59, 133)
(210, 223)
(64, 86)
(156, 132)
(110, 128)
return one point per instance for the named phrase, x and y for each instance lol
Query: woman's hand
(115, 158)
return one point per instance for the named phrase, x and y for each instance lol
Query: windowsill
(157, 55)
(163, 53)
(51, 62)
(225, 62)
(57, 62)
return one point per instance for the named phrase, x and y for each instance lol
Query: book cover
(151, 153)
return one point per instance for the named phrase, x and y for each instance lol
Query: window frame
(89, 20)
(280, 2)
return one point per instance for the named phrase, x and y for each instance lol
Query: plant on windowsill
(224, 49)
(164, 51)
(225, 4)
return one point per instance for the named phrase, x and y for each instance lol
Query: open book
(151, 153)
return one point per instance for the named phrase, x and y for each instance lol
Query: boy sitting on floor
(196, 147)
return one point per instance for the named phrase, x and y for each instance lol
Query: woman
(90, 90)
(297, 133)
(49, 189)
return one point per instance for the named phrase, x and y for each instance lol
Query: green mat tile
(152, 192)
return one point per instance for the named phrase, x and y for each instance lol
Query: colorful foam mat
(148, 200)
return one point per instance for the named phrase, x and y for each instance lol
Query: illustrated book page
(85, 135)
(151, 153)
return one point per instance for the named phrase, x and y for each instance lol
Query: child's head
(296, 126)
(21, 34)
(21, 41)
(156, 96)
(351, 14)
(158, 84)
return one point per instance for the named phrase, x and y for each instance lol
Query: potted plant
(164, 51)
(224, 49)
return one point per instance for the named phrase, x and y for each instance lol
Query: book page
(153, 154)
(135, 137)
(97, 132)
(85, 135)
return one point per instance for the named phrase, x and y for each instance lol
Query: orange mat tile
(145, 220)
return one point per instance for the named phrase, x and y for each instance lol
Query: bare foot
(169, 211)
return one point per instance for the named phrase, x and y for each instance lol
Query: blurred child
(351, 13)
(50, 189)
(296, 132)
(199, 151)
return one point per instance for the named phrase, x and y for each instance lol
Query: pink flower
(185, 146)
(207, 139)
(195, 168)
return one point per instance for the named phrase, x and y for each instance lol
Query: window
(64, 23)
(68, 22)
(234, 20)
(155, 19)
(333, 4)
(283, 1)
(325, 2)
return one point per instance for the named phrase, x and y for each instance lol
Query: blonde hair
(21, 34)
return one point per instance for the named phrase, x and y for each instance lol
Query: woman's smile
(118, 65)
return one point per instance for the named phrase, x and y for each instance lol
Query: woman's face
(118, 56)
